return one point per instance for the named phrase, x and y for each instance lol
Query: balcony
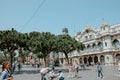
(90, 51)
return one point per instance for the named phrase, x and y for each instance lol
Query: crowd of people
(73, 70)
(60, 75)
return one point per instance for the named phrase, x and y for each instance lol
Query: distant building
(100, 45)
(65, 31)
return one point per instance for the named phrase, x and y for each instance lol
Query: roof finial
(103, 20)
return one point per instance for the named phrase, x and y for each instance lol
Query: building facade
(101, 44)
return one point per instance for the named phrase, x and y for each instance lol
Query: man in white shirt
(43, 72)
(52, 74)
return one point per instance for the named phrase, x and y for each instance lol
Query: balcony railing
(90, 51)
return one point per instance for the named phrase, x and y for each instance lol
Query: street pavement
(109, 72)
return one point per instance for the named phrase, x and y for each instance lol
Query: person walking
(19, 67)
(71, 69)
(99, 70)
(76, 68)
(13, 67)
(5, 75)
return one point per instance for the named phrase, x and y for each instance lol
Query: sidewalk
(109, 72)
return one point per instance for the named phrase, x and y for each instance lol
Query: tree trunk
(45, 63)
(11, 62)
(66, 57)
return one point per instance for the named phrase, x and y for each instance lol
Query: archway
(95, 59)
(100, 45)
(94, 46)
(80, 60)
(102, 59)
(90, 60)
(85, 60)
(88, 47)
(70, 61)
(117, 57)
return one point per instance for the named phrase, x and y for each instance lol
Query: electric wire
(33, 15)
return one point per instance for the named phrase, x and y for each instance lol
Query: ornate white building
(100, 45)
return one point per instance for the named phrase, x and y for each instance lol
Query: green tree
(39, 55)
(23, 54)
(24, 48)
(42, 42)
(67, 44)
(10, 40)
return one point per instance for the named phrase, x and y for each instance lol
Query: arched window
(107, 58)
(94, 46)
(102, 59)
(118, 57)
(116, 43)
(100, 45)
(88, 47)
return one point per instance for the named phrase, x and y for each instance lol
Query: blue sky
(53, 15)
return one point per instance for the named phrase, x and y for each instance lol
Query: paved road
(110, 73)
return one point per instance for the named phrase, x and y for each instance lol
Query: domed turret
(65, 30)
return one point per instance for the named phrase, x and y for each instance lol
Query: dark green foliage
(2, 59)
(37, 42)
(67, 44)
(11, 40)
(42, 42)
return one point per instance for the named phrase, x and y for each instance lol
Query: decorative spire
(104, 23)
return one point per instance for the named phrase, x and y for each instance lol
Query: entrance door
(95, 60)
(102, 59)
(90, 60)
(85, 60)
(80, 60)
